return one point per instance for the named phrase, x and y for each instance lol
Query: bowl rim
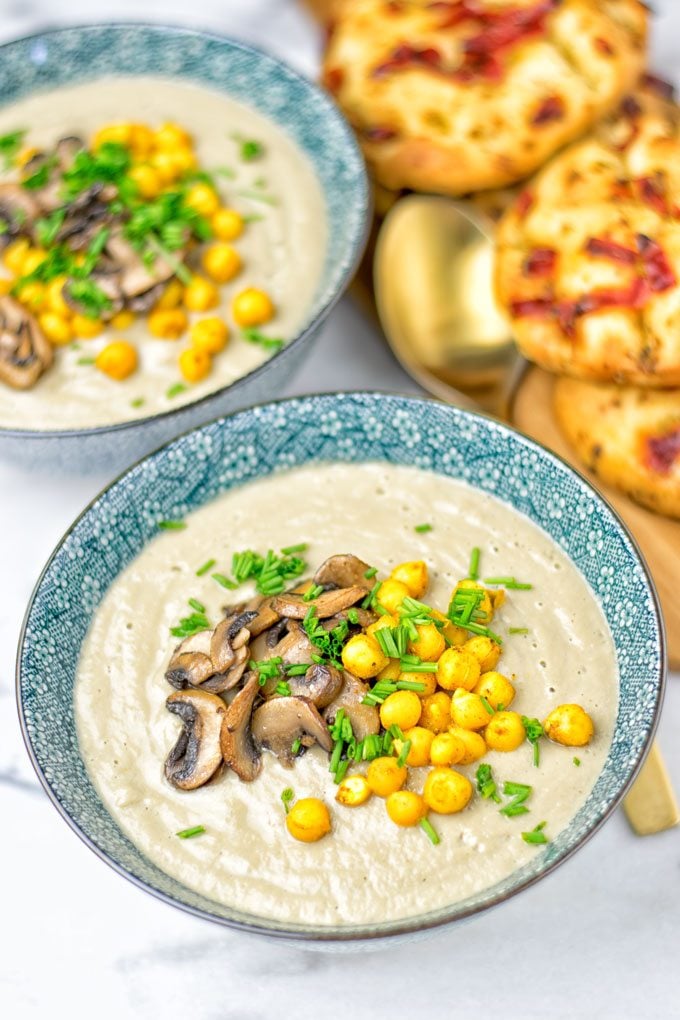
(363, 197)
(401, 927)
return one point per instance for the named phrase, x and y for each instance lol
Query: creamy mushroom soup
(212, 154)
(556, 650)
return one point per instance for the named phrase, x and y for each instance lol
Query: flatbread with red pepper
(629, 437)
(588, 256)
(464, 95)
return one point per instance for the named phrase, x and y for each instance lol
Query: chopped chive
(576, 761)
(341, 770)
(138, 402)
(371, 572)
(224, 582)
(473, 572)
(283, 689)
(422, 528)
(403, 754)
(290, 549)
(335, 756)
(536, 836)
(172, 525)
(534, 732)
(509, 582)
(353, 616)
(295, 746)
(312, 593)
(287, 796)
(519, 793)
(518, 630)
(409, 685)
(190, 833)
(208, 565)
(487, 706)
(486, 784)
(85, 360)
(429, 831)
(257, 196)
(297, 669)
(175, 390)
(198, 606)
(250, 150)
(418, 667)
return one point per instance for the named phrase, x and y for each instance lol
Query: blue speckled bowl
(68, 55)
(354, 427)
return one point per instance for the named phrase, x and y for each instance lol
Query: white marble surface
(598, 939)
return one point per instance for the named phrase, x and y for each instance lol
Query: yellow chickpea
(26, 155)
(33, 295)
(363, 656)
(421, 742)
(428, 682)
(203, 199)
(194, 364)
(227, 224)
(504, 731)
(171, 297)
(147, 179)
(118, 360)
(392, 670)
(569, 725)
(387, 620)
(201, 295)
(429, 644)
(168, 324)
(54, 297)
(447, 749)
(405, 808)
(474, 743)
(468, 711)
(386, 776)
(252, 307)
(457, 669)
(142, 140)
(122, 320)
(86, 328)
(221, 262)
(390, 595)
(401, 709)
(308, 820)
(436, 714)
(166, 166)
(496, 688)
(209, 335)
(5, 285)
(454, 635)
(33, 258)
(353, 791)
(486, 651)
(485, 604)
(15, 254)
(172, 136)
(414, 575)
(447, 791)
(183, 160)
(56, 328)
(121, 134)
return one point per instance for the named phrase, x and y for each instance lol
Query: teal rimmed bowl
(349, 427)
(302, 110)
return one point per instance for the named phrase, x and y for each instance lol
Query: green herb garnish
(224, 581)
(86, 360)
(198, 606)
(287, 797)
(403, 754)
(519, 793)
(487, 706)
(486, 784)
(473, 572)
(508, 582)
(429, 831)
(190, 833)
(250, 150)
(576, 761)
(267, 668)
(208, 565)
(290, 550)
(295, 746)
(534, 732)
(138, 402)
(537, 835)
(9, 147)
(371, 572)
(255, 336)
(172, 525)
(283, 688)
(195, 623)
(518, 630)
(175, 390)
(423, 528)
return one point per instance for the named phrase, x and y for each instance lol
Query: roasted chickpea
(165, 164)
(172, 136)
(569, 725)
(486, 651)
(447, 791)
(353, 791)
(171, 297)
(429, 644)
(468, 711)
(227, 224)
(485, 604)
(221, 262)
(123, 320)
(308, 820)
(405, 807)
(202, 198)
(142, 140)
(252, 307)
(15, 254)
(474, 743)
(504, 731)
(428, 682)
(33, 295)
(454, 635)
(383, 621)
(168, 324)
(414, 575)
(121, 134)
(392, 670)
(391, 594)
(147, 180)
(421, 742)
(183, 160)
(86, 328)
(401, 709)
(33, 258)
(436, 714)
(363, 656)
(56, 328)
(496, 688)
(447, 749)
(194, 365)
(54, 297)
(209, 335)
(457, 669)
(201, 295)
(118, 360)
(385, 776)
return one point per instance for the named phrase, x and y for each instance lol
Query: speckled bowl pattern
(69, 55)
(351, 427)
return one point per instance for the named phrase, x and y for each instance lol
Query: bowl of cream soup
(179, 214)
(233, 669)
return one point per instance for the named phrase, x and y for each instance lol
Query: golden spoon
(432, 274)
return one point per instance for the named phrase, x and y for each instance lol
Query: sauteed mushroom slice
(229, 652)
(321, 683)
(24, 352)
(135, 278)
(266, 617)
(197, 755)
(191, 664)
(343, 571)
(239, 750)
(280, 722)
(327, 604)
(18, 210)
(221, 682)
(365, 719)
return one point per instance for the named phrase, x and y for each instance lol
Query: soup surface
(282, 247)
(366, 870)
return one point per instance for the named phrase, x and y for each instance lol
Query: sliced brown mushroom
(18, 209)
(281, 721)
(67, 149)
(239, 750)
(24, 352)
(365, 719)
(191, 664)
(327, 604)
(364, 618)
(321, 684)
(135, 277)
(343, 571)
(197, 755)
(214, 660)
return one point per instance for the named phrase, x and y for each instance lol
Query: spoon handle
(651, 806)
